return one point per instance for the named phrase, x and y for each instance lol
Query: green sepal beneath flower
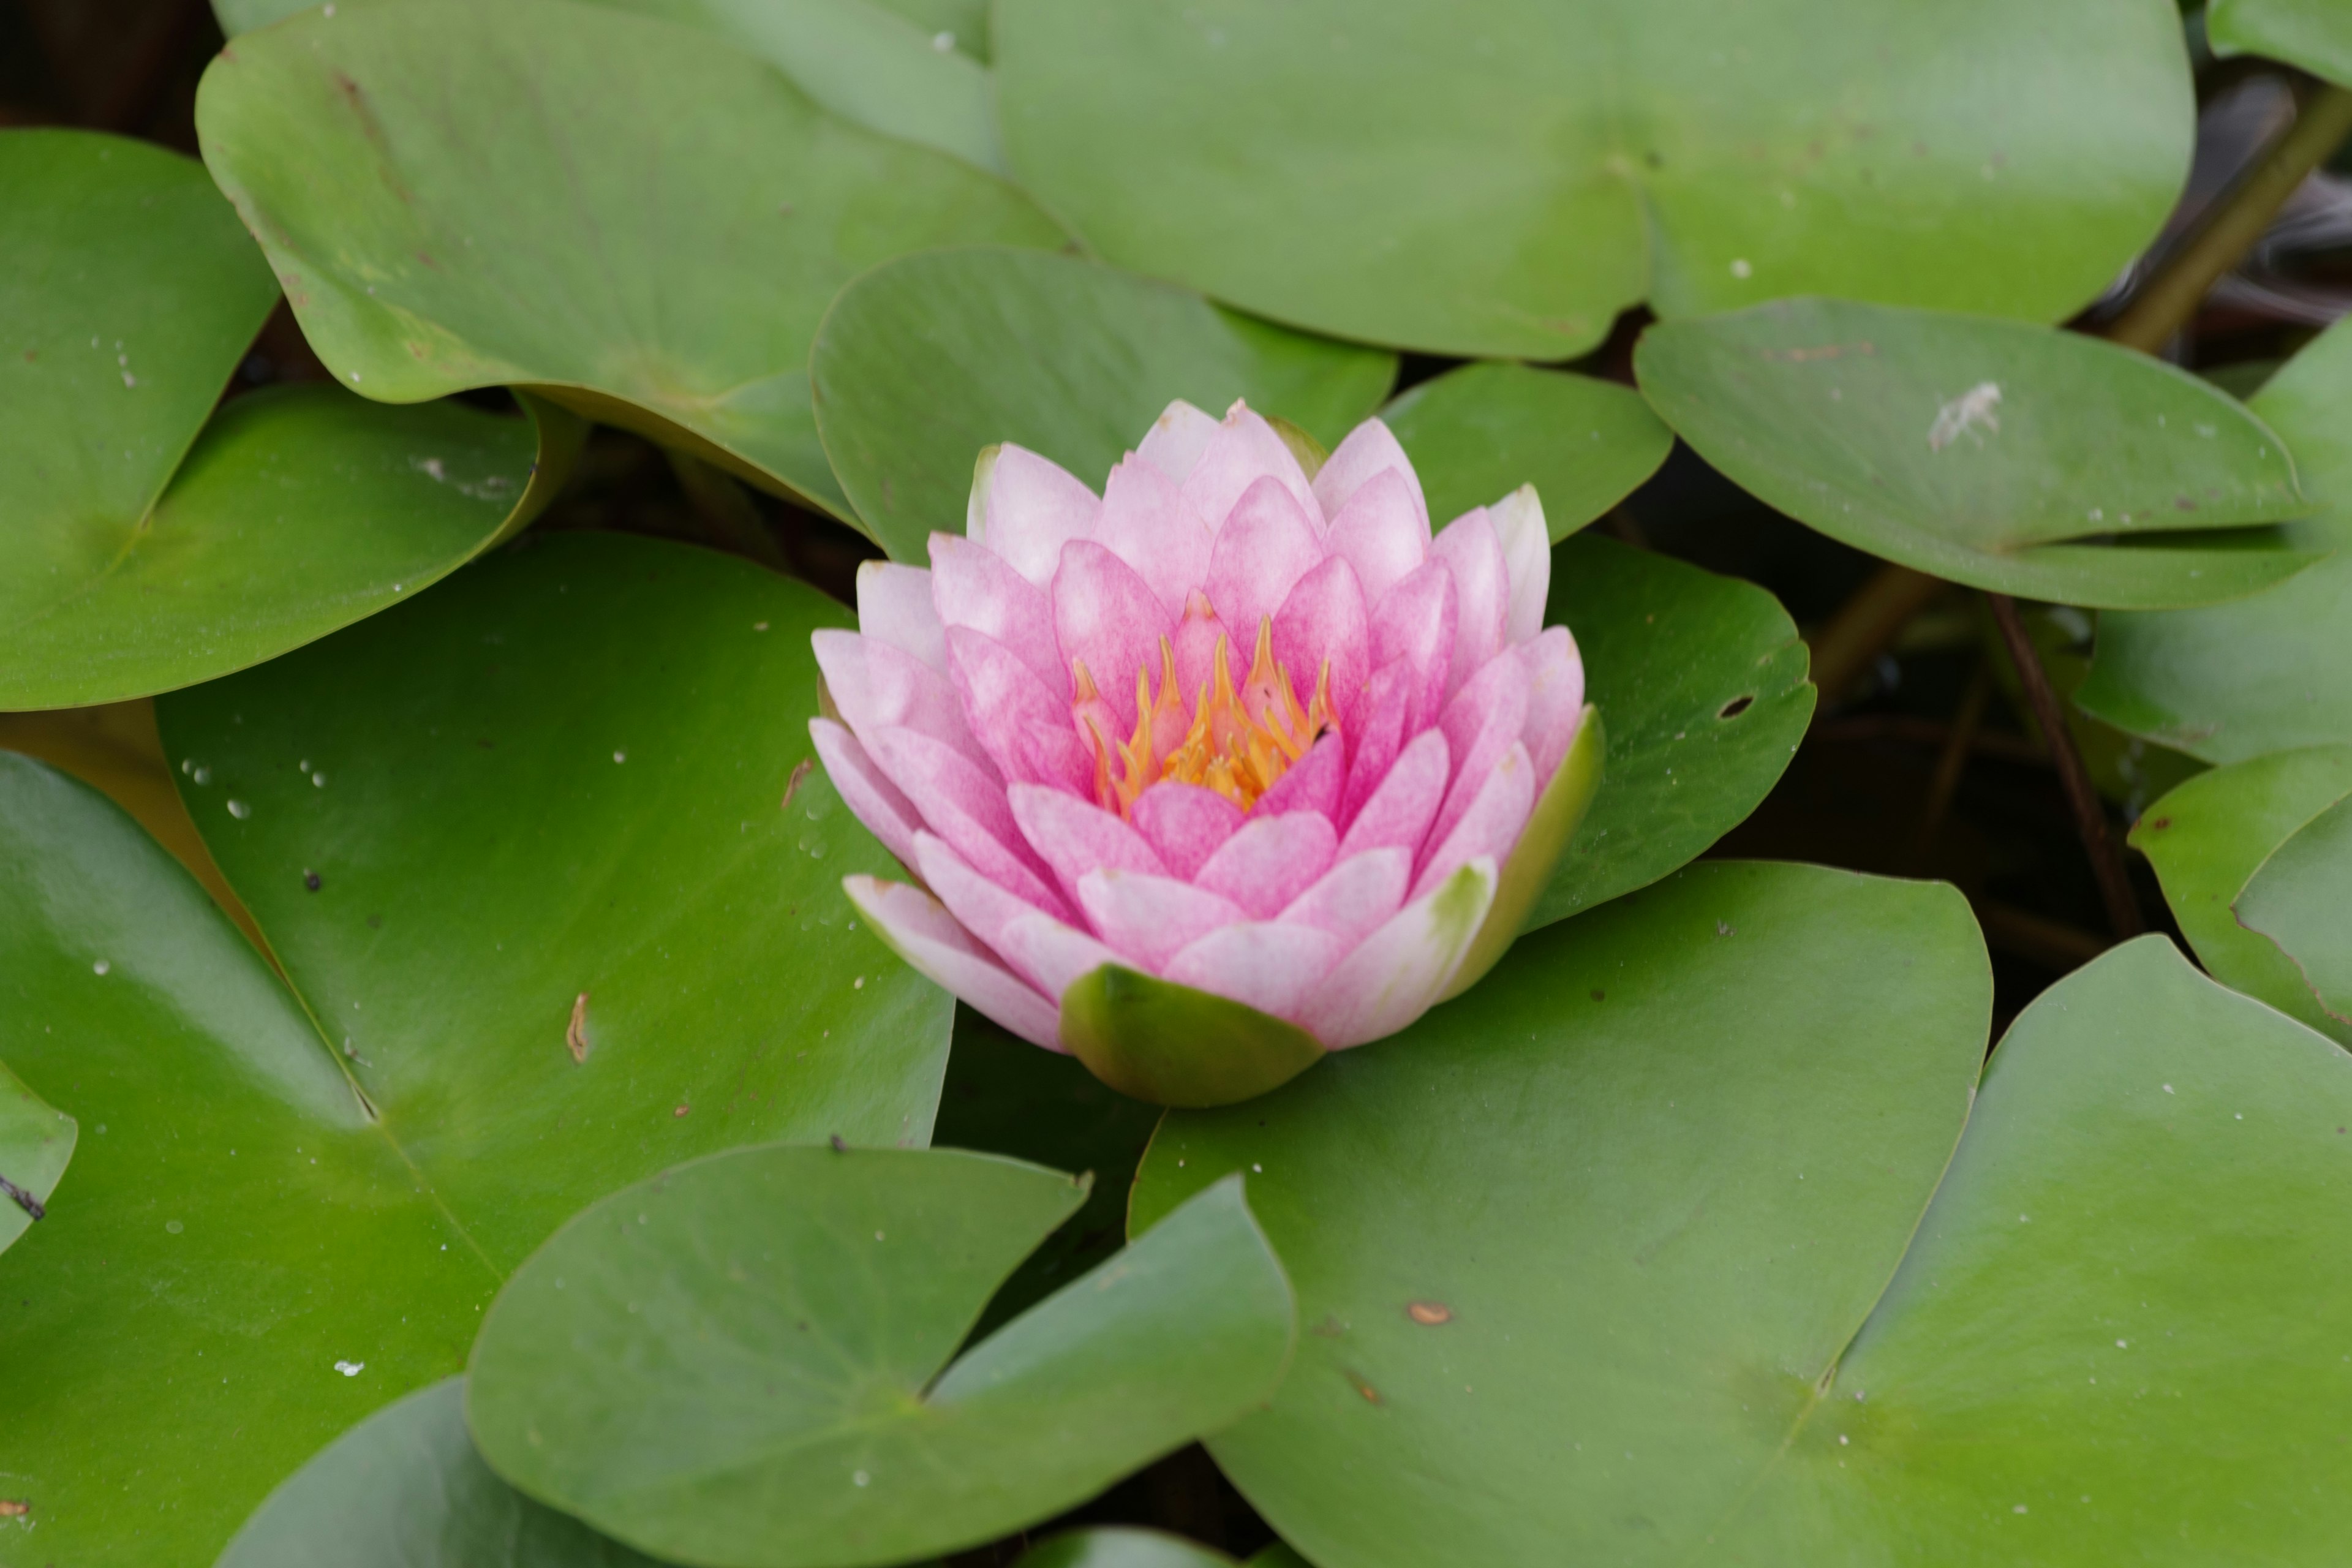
(1536, 855)
(1157, 1041)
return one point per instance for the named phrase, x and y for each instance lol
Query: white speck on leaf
(239, 810)
(100, 967)
(943, 42)
(350, 1368)
(1975, 410)
(1741, 268)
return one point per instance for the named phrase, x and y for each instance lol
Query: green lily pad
(2011, 458)
(1635, 1278)
(1499, 178)
(447, 773)
(299, 510)
(925, 361)
(454, 197)
(1172, 1045)
(35, 1143)
(1117, 1546)
(2273, 672)
(2301, 900)
(1478, 433)
(1703, 679)
(2313, 34)
(405, 1489)
(720, 1366)
(2207, 838)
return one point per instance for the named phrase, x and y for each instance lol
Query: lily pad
(2011, 458)
(1478, 433)
(1703, 680)
(405, 1489)
(2273, 672)
(1501, 177)
(746, 1361)
(1635, 1277)
(924, 362)
(35, 1143)
(454, 197)
(2207, 838)
(2313, 34)
(2301, 899)
(519, 972)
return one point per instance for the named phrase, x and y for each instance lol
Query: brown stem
(2170, 299)
(1866, 624)
(1952, 762)
(2090, 812)
(2058, 948)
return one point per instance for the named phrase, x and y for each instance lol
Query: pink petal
(1378, 735)
(1266, 546)
(1355, 895)
(1244, 450)
(1270, 861)
(1325, 618)
(930, 941)
(1002, 698)
(1401, 807)
(1075, 836)
(1185, 823)
(973, 586)
(964, 807)
(1555, 698)
(894, 605)
(1025, 508)
(1382, 533)
(1518, 523)
(1270, 966)
(1108, 620)
(1496, 815)
(1147, 522)
(873, 799)
(1151, 918)
(1177, 438)
(1481, 585)
(1415, 621)
(979, 905)
(1481, 723)
(1053, 955)
(1196, 651)
(875, 685)
(1313, 784)
(1395, 975)
(1054, 755)
(1370, 451)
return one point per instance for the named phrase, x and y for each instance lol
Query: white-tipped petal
(1266, 965)
(1401, 969)
(894, 605)
(1025, 508)
(871, 797)
(1177, 438)
(923, 933)
(1518, 523)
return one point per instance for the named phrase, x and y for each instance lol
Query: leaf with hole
(926, 361)
(1478, 433)
(2011, 458)
(1648, 1269)
(1503, 177)
(454, 196)
(747, 1360)
(2208, 838)
(2273, 672)
(544, 929)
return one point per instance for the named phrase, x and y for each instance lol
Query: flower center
(1238, 743)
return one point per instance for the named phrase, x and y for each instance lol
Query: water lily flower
(1230, 766)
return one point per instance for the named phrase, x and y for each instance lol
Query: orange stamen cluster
(1238, 743)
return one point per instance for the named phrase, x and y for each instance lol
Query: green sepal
(1170, 1045)
(1558, 810)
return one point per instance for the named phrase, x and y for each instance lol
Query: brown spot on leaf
(1429, 1314)
(793, 784)
(1371, 1395)
(681, 1110)
(11, 1509)
(575, 1037)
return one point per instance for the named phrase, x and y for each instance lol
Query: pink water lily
(1248, 731)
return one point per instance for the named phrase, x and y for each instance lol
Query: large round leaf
(299, 510)
(2301, 900)
(35, 1143)
(2274, 671)
(1605, 1291)
(405, 1489)
(2009, 456)
(458, 195)
(2207, 838)
(1703, 681)
(1478, 433)
(2313, 34)
(560, 936)
(925, 361)
(1503, 177)
(746, 1361)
